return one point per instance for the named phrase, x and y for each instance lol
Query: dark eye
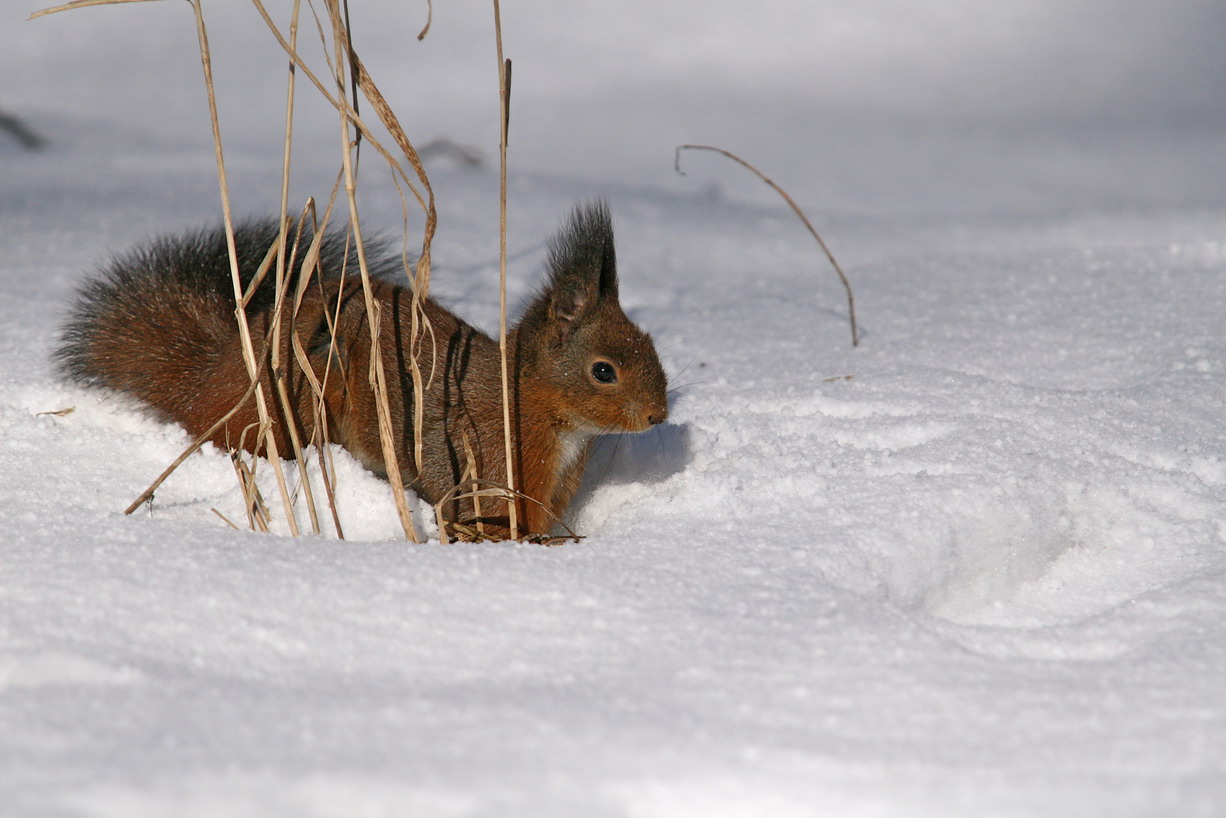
(604, 372)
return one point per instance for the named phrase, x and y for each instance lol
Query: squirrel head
(575, 338)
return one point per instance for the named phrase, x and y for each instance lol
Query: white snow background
(975, 567)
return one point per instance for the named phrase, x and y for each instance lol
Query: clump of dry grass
(346, 80)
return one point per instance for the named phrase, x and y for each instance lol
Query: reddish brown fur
(179, 352)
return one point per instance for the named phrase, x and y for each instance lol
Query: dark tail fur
(158, 322)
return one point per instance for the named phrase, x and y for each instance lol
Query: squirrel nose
(657, 417)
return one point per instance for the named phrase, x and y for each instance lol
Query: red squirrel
(159, 324)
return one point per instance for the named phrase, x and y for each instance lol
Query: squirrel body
(159, 324)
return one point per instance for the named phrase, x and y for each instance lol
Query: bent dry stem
(851, 300)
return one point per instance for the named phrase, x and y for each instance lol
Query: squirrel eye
(604, 372)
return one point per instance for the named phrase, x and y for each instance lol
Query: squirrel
(159, 324)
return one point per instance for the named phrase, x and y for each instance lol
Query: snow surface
(975, 567)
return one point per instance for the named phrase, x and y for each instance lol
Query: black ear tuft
(582, 262)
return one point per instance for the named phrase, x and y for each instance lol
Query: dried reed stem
(378, 380)
(504, 97)
(421, 281)
(248, 350)
(80, 4)
(310, 265)
(272, 341)
(224, 519)
(358, 123)
(851, 301)
(282, 392)
(190, 450)
(284, 267)
(472, 473)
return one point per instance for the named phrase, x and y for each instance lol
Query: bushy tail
(158, 323)
(154, 320)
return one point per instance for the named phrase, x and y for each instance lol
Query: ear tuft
(582, 262)
(582, 273)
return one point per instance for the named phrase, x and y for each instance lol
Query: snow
(974, 567)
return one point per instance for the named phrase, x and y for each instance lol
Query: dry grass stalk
(225, 519)
(80, 4)
(504, 97)
(310, 266)
(419, 324)
(851, 301)
(147, 494)
(421, 281)
(342, 102)
(248, 350)
(285, 265)
(261, 272)
(282, 392)
(388, 118)
(308, 274)
(378, 380)
(471, 473)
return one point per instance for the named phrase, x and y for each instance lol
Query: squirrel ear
(569, 300)
(582, 263)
